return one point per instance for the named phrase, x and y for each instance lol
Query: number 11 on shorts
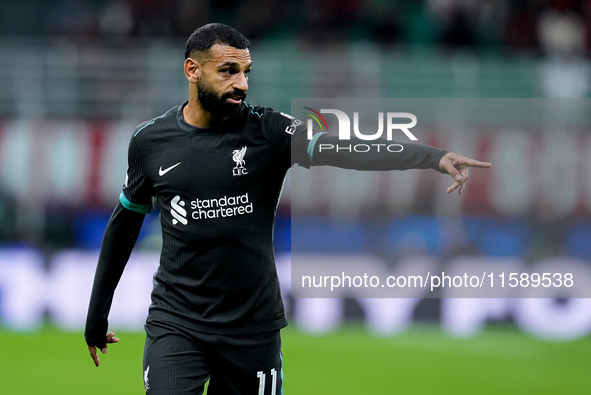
(262, 376)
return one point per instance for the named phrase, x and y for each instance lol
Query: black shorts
(178, 360)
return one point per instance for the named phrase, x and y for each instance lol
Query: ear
(192, 70)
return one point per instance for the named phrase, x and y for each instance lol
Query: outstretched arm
(119, 239)
(327, 150)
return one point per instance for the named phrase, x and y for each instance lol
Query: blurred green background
(349, 361)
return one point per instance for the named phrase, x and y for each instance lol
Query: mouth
(235, 99)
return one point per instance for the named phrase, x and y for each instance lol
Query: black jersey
(217, 189)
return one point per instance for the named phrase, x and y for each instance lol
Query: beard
(217, 104)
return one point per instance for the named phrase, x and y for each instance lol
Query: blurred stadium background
(76, 77)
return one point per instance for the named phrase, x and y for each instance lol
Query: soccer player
(216, 165)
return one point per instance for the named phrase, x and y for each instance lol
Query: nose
(241, 82)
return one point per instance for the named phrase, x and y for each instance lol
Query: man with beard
(216, 165)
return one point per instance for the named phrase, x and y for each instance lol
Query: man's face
(223, 83)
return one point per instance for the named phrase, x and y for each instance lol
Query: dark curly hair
(202, 39)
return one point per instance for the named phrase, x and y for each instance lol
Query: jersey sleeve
(120, 237)
(287, 136)
(136, 194)
(326, 152)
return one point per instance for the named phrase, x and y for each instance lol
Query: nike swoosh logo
(163, 172)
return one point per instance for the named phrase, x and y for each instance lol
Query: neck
(194, 114)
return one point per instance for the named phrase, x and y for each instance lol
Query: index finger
(476, 163)
(95, 358)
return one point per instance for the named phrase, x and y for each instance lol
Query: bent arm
(118, 242)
